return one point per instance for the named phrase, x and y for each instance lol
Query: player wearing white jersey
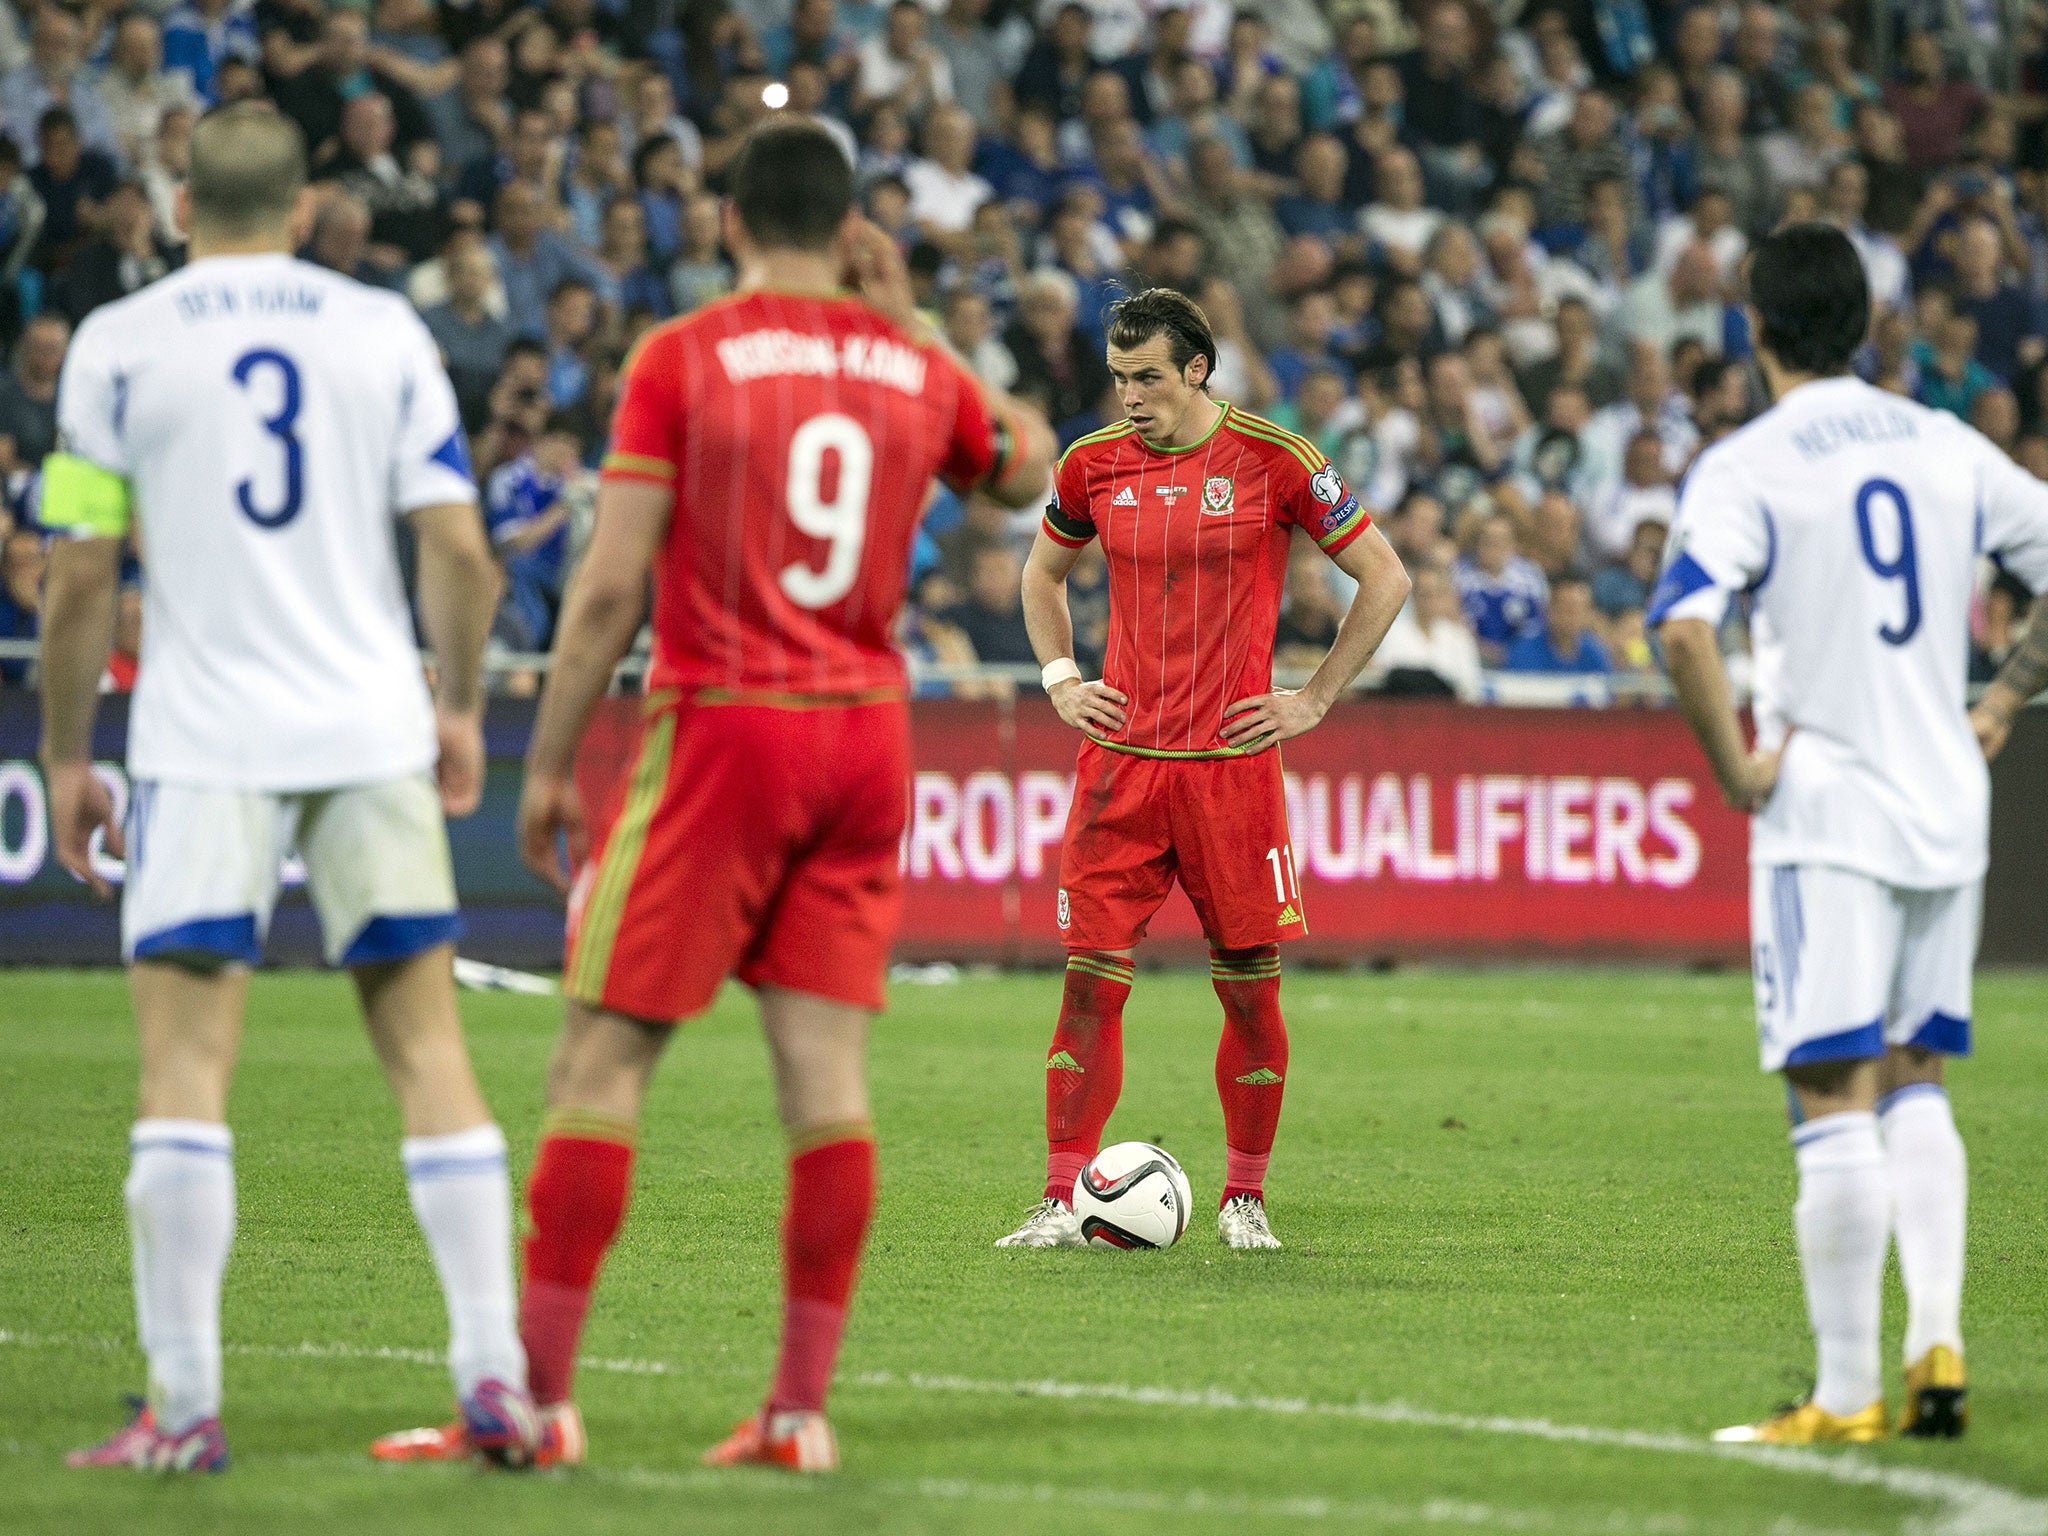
(1854, 520)
(257, 425)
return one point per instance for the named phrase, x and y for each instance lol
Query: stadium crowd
(1486, 253)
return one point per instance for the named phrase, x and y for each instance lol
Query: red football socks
(575, 1200)
(1085, 1071)
(1251, 1062)
(831, 1197)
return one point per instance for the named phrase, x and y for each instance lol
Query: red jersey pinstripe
(801, 435)
(1196, 540)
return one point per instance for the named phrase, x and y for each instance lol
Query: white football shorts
(204, 867)
(1846, 965)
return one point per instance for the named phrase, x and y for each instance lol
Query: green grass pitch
(1529, 1215)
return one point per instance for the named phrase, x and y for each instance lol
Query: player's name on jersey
(1825, 434)
(224, 301)
(866, 359)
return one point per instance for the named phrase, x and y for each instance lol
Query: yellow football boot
(1808, 1423)
(1937, 1398)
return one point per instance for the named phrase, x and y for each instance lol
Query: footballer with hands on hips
(1855, 522)
(1196, 502)
(771, 455)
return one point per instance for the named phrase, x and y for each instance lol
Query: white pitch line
(1964, 1506)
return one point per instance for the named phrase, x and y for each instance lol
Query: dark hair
(792, 185)
(54, 118)
(570, 284)
(1811, 298)
(563, 424)
(523, 346)
(1138, 318)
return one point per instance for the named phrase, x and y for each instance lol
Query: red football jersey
(1196, 539)
(801, 436)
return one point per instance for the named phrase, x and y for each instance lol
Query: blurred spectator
(970, 329)
(54, 77)
(1398, 222)
(900, 66)
(1951, 378)
(1057, 363)
(1430, 649)
(1933, 111)
(472, 336)
(532, 260)
(21, 594)
(28, 395)
(527, 513)
(1502, 591)
(1578, 362)
(1846, 199)
(1310, 615)
(1651, 403)
(21, 226)
(929, 639)
(1565, 641)
(2009, 323)
(2002, 623)
(1556, 540)
(702, 272)
(315, 97)
(199, 36)
(341, 241)
(126, 256)
(991, 615)
(136, 90)
(404, 203)
(1683, 301)
(1724, 158)
(73, 181)
(1645, 493)
(1243, 236)
(1628, 583)
(622, 255)
(944, 192)
(572, 317)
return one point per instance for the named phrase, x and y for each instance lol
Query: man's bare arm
(2024, 675)
(1033, 448)
(1692, 655)
(458, 592)
(79, 598)
(600, 616)
(1091, 706)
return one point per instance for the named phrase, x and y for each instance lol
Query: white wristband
(1061, 671)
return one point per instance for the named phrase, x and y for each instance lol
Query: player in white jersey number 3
(256, 425)
(1855, 521)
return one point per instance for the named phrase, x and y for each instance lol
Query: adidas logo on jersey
(1264, 1077)
(1124, 498)
(1060, 1061)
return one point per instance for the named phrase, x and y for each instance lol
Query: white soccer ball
(1132, 1195)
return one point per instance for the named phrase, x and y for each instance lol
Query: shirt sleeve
(647, 422)
(2012, 512)
(1318, 500)
(432, 467)
(1068, 518)
(85, 482)
(1722, 543)
(978, 446)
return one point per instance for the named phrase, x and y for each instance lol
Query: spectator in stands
(1057, 362)
(28, 397)
(200, 36)
(597, 178)
(1398, 222)
(406, 219)
(1934, 111)
(992, 614)
(1726, 159)
(472, 335)
(54, 77)
(1311, 613)
(21, 227)
(2009, 319)
(526, 509)
(340, 241)
(471, 117)
(1565, 641)
(1556, 541)
(314, 97)
(702, 271)
(136, 90)
(73, 180)
(633, 284)
(1244, 238)
(1951, 378)
(1317, 205)
(1651, 403)
(124, 257)
(1578, 363)
(1501, 590)
(944, 190)
(900, 67)
(1430, 648)
(532, 259)
(21, 594)
(970, 330)
(1626, 584)
(571, 323)
(1311, 318)
(1644, 494)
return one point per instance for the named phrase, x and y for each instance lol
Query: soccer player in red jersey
(1195, 502)
(770, 457)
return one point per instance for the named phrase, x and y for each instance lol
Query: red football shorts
(1218, 825)
(757, 840)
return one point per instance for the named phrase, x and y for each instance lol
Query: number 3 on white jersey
(843, 520)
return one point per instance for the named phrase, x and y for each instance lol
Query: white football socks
(1930, 1190)
(181, 1220)
(1843, 1221)
(463, 1199)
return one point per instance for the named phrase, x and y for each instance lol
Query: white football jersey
(272, 419)
(1854, 520)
